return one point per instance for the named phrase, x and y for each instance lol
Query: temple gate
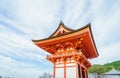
(69, 51)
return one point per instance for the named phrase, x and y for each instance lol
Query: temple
(69, 51)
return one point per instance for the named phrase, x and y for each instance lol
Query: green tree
(97, 70)
(0, 76)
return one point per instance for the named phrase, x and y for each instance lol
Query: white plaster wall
(59, 72)
(71, 72)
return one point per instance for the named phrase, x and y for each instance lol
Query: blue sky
(24, 20)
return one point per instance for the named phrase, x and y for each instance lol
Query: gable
(62, 29)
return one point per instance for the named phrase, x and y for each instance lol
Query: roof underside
(64, 34)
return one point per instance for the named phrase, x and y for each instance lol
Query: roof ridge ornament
(61, 22)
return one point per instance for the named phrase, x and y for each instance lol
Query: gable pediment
(62, 29)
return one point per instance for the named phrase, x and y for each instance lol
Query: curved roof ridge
(72, 31)
(61, 27)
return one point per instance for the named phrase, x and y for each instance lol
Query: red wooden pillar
(81, 71)
(76, 69)
(64, 60)
(86, 73)
(54, 70)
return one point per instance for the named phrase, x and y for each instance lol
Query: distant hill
(97, 68)
(115, 65)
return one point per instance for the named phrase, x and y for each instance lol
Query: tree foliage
(98, 70)
(115, 65)
(46, 75)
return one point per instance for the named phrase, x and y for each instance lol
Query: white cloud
(35, 15)
(105, 30)
(108, 53)
(105, 20)
(14, 44)
(18, 54)
(14, 68)
(75, 14)
(23, 20)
